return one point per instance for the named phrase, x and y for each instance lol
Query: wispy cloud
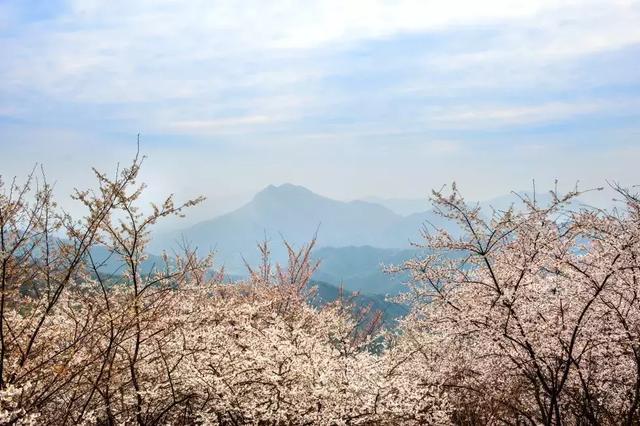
(304, 81)
(207, 127)
(514, 115)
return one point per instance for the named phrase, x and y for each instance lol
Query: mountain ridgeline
(294, 214)
(354, 239)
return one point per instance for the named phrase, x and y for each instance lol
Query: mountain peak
(285, 190)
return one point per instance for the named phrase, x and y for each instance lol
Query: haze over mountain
(294, 213)
(402, 206)
(363, 268)
(410, 206)
(354, 238)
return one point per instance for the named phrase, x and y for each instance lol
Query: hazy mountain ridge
(356, 241)
(355, 237)
(294, 213)
(362, 268)
(402, 206)
(328, 293)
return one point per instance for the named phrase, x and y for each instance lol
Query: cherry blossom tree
(531, 316)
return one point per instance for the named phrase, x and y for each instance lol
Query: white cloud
(316, 86)
(308, 24)
(122, 51)
(496, 116)
(554, 35)
(224, 125)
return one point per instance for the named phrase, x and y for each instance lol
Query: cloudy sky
(349, 98)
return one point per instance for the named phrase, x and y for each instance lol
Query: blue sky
(348, 98)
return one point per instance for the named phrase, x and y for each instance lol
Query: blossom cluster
(531, 315)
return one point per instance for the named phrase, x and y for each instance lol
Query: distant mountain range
(402, 206)
(355, 239)
(391, 311)
(293, 213)
(363, 268)
(360, 273)
(410, 206)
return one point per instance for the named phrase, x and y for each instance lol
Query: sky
(348, 98)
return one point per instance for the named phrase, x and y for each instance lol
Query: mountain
(391, 311)
(420, 206)
(292, 213)
(111, 266)
(109, 263)
(402, 206)
(353, 238)
(362, 268)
